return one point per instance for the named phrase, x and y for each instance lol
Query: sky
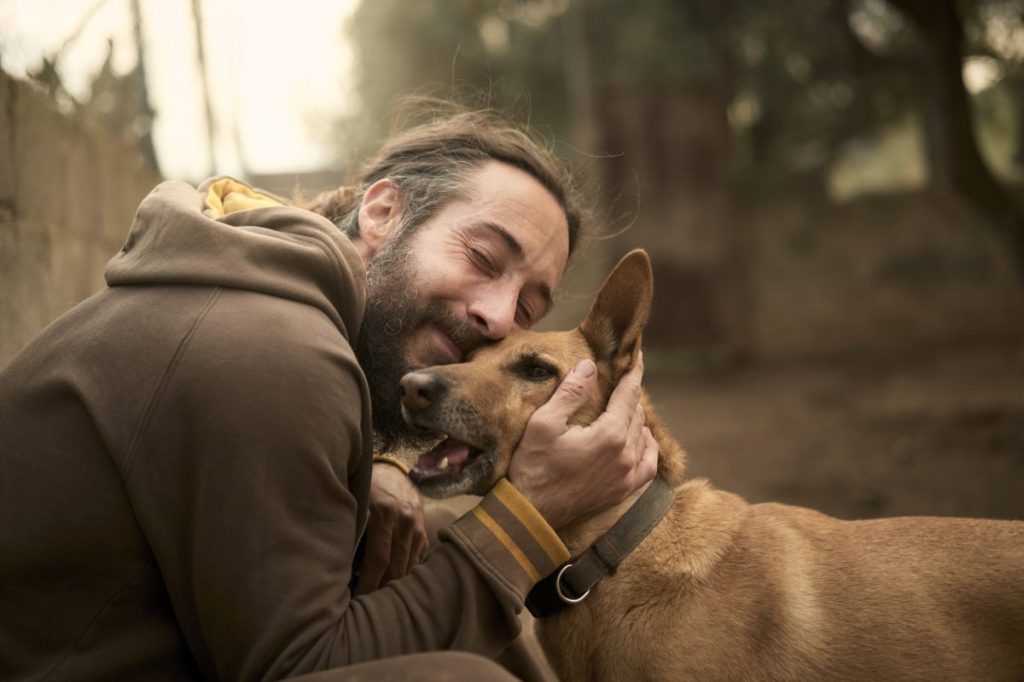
(278, 72)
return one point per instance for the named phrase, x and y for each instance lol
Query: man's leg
(524, 657)
(440, 665)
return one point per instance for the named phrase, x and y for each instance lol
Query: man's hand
(396, 536)
(569, 471)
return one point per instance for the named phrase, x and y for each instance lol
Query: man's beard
(393, 313)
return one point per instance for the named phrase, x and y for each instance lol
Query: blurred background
(832, 193)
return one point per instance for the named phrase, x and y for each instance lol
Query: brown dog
(721, 589)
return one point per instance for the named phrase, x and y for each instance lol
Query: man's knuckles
(544, 426)
(609, 435)
(623, 466)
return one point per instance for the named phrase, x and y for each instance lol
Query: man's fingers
(647, 467)
(392, 549)
(413, 538)
(375, 560)
(571, 393)
(419, 550)
(626, 395)
(635, 436)
(421, 542)
(401, 556)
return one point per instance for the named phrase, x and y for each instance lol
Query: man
(185, 457)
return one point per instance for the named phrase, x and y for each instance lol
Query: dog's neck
(584, 531)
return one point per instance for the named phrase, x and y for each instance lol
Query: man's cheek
(417, 351)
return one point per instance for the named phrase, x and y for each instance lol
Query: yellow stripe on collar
(227, 195)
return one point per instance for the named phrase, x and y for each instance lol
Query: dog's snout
(421, 390)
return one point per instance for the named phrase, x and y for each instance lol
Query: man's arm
(396, 533)
(250, 479)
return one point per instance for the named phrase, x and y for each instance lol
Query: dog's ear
(617, 318)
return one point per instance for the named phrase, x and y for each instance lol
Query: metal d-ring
(561, 593)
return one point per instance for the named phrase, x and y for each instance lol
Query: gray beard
(393, 312)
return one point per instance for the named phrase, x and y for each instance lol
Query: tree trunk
(956, 162)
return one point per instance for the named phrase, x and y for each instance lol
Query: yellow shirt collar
(227, 195)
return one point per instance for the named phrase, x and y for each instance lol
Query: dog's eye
(539, 372)
(536, 372)
(532, 368)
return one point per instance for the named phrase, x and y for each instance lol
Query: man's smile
(435, 348)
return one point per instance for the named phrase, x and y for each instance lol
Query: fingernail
(586, 368)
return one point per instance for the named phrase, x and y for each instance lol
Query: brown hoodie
(185, 463)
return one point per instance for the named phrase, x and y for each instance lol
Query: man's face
(479, 268)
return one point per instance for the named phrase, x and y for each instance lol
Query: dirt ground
(939, 433)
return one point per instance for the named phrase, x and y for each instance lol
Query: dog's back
(726, 590)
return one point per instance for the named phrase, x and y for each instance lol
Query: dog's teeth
(444, 463)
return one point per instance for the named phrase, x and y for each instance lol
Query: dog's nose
(421, 389)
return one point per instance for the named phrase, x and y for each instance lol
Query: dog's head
(480, 407)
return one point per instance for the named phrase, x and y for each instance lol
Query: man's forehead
(524, 214)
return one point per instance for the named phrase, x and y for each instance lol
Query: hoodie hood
(228, 235)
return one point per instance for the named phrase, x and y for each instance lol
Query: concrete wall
(68, 191)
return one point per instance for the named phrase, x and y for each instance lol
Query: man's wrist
(509, 539)
(393, 461)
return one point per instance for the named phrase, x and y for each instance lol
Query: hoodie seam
(338, 265)
(165, 379)
(323, 244)
(326, 246)
(92, 622)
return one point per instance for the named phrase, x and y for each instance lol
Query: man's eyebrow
(513, 244)
(517, 250)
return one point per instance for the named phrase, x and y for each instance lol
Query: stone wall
(68, 191)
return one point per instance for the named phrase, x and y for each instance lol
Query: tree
(954, 156)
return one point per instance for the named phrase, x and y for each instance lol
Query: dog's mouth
(447, 459)
(455, 464)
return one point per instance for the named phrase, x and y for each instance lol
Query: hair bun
(335, 205)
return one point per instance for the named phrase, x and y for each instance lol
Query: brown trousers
(441, 665)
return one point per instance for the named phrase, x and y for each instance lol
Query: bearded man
(186, 457)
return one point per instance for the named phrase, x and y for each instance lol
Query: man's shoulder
(264, 363)
(264, 333)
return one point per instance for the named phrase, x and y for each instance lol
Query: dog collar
(571, 582)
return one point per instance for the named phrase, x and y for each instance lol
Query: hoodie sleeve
(249, 475)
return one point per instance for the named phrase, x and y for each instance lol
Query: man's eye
(524, 315)
(483, 262)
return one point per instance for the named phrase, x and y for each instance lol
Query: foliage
(803, 78)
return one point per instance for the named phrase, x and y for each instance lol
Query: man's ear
(379, 215)
(616, 320)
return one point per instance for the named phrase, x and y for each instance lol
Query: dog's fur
(721, 589)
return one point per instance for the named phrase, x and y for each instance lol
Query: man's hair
(431, 163)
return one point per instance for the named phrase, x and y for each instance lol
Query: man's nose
(493, 313)
(421, 390)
